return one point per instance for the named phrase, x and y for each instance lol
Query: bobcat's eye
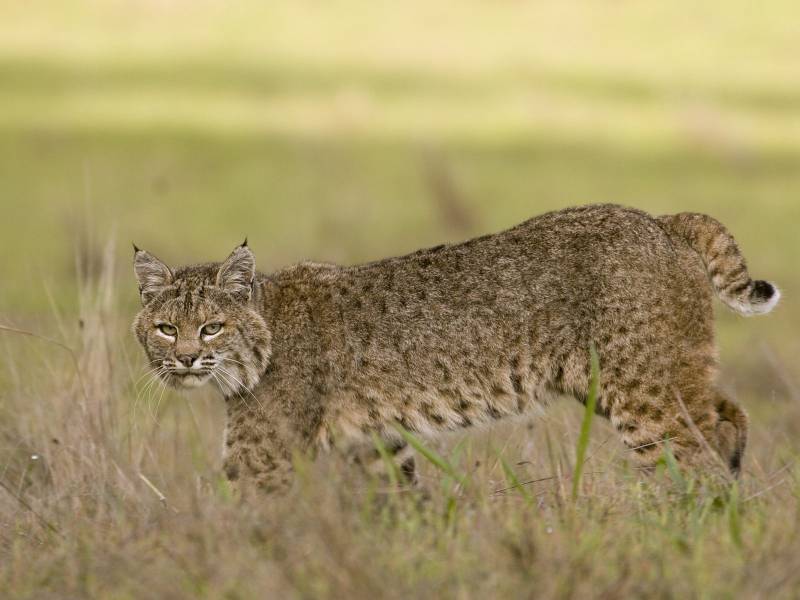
(167, 329)
(211, 329)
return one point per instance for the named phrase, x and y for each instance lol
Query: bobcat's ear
(152, 274)
(236, 274)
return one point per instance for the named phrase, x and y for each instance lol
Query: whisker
(239, 363)
(234, 361)
(224, 370)
(146, 389)
(222, 386)
(226, 378)
(221, 374)
(155, 384)
(160, 397)
(154, 376)
(145, 374)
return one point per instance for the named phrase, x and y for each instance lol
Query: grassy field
(347, 131)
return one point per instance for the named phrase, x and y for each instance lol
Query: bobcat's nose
(186, 359)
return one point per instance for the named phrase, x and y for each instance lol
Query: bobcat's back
(462, 334)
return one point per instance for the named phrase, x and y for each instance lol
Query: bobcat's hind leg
(730, 436)
(704, 428)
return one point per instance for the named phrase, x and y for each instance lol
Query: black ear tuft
(236, 274)
(152, 274)
(135, 248)
(244, 243)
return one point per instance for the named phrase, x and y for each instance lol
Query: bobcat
(317, 357)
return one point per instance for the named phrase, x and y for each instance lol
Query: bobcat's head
(198, 323)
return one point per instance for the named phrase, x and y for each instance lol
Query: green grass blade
(391, 467)
(734, 516)
(586, 424)
(430, 455)
(673, 468)
(514, 482)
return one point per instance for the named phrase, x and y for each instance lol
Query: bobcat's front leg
(258, 467)
(395, 456)
(258, 449)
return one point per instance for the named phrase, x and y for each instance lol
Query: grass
(101, 500)
(346, 132)
(586, 424)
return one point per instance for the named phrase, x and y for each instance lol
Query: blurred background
(348, 131)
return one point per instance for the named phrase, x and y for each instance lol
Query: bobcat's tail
(726, 266)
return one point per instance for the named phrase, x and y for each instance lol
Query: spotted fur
(458, 335)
